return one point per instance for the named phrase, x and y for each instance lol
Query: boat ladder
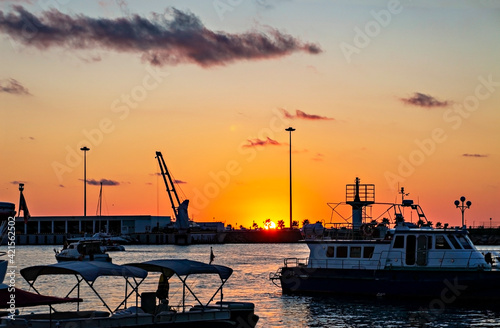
(273, 276)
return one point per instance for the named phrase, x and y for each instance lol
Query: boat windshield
(463, 241)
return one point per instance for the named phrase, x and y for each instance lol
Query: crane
(179, 208)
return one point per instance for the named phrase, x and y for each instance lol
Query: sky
(397, 93)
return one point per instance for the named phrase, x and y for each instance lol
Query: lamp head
(457, 203)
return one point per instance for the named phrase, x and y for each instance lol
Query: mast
(99, 202)
(359, 196)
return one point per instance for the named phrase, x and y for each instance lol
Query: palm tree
(281, 224)
(306, 221)
(295, 224)
(439, 225)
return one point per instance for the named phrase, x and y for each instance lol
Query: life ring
(366, 230)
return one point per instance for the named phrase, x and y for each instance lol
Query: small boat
(112, 247)
(84, 250)
(369, 258)
(167, 313)
(105, 237)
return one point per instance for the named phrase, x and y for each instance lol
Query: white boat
(409, 260)
(112, 248)
(105, 237)
(131, 313)
(85, 250)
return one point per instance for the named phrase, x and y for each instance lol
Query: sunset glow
(269, 225)
(397, 94)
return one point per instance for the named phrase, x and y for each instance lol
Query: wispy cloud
(105, 182)
(175, 180)
(423, 100)
(474, 155)
(173, 38)
(304, 116)
(16, 182)
(13, 86)
(261, 143)
(318, 157)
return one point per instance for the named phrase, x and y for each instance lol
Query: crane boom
(169, 184)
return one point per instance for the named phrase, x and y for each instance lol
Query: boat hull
(449, 285)
(97, 257)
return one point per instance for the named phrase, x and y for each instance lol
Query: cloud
(304, 116)
(105, 182)
(318, 157)
(258, 142)
(173, 38)
(474, 155)
(175, 180)
(13, 86)
(15, 182)
(423, 100)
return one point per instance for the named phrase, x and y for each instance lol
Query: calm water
(252, 264)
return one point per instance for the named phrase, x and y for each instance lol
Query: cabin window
(429, 242)
(342, 251)
(441, 243)
(368, 252)
(399, 242)
(463, 241)
(454, 242)
(330, 251)
(356, 251)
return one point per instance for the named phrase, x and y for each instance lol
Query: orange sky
(404, 95)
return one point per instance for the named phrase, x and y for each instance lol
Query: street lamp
(290, 130)
(463, 207)
(85, 149)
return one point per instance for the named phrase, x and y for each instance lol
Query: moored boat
(139, 309)
(84, 250)
(408, 260)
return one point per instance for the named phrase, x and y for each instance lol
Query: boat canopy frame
(183, 268)
(88, 272)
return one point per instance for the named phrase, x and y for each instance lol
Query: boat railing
(295, 262)
(342, 263)
(445, 259)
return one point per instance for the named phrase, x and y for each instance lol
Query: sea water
(252, 264)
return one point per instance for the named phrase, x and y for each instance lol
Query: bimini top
(183, 268)
(88, 270)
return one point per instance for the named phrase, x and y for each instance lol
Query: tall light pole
(85, 149)
(290, 130)
(463, 207)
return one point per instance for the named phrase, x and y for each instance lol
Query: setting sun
(269, 224)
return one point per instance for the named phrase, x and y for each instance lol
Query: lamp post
(463, 207)
(290, 130)
(85, 149)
